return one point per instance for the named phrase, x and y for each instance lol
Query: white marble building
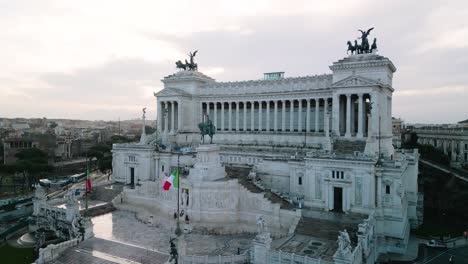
(452, 141)
(325, 140)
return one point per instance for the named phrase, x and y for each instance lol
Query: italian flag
(172, 181)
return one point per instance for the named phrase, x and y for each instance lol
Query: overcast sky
(104, 59)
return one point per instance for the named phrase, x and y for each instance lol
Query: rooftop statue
(364, 47)
(191, 66)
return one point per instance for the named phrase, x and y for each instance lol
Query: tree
(31, 162)
(149, 130)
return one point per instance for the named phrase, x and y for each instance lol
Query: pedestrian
(451, 259)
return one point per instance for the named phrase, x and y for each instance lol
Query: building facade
(324, 140)
(452, 141)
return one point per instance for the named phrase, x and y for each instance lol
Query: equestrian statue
(207, 128)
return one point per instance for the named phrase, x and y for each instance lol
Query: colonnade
(286, 115)
(170, 116)
(352, 112)
(457, 150)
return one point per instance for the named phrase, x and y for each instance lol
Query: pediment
(355, 81)
(167, 92)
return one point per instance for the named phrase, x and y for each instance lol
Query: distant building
(14, 145)
(397, 125)
(20, 126)
(453, 141)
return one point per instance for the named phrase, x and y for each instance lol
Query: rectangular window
(387, 189)
(333, 174)
(131, 158)
(342, 175)
(300, 180)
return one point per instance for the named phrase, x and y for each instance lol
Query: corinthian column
(252, 116)
(179, 116)
(283, 117)
(267, 115)
(291, 116)
(230, 117)
(308, 115)
(172, 117)
(348, 116)
(317, 110)
(237, 116)
(160, 115)
(360, 116)
(215, 121)
(260, 105)
(275, 116)
(299, 117)
(222, 116)
(245, 116)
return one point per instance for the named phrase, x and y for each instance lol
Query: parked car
(436, 244)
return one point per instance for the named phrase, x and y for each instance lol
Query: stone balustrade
(53, 251)
(242, 258)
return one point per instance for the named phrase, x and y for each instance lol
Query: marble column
(360, 116)
(299, 116)
(308, 116)
(245, 116)
(172, 116)
(291, 116)
(222, 116)
(267, 115)
(275, 116)
(215, 121)
(179, 116)
(326, 123)
(336, 114)
(230, 116)
(160, 115)
(237, 116)
(260, 105)
(348, 116)
(317, 110)
(283, 117)
(166, 117)
(252, 116)
(201, 113)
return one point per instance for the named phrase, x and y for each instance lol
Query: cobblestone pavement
(123, 226)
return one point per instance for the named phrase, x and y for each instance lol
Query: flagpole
(177, 231)
(86, 184)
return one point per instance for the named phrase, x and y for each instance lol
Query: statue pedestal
(261, 246)
(208, 166)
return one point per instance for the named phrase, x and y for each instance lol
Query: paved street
(429, 255)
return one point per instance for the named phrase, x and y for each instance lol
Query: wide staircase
(342, 146)
(241, 173)
(101, 251)
(106, 193)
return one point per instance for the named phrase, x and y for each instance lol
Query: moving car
(436, 244)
